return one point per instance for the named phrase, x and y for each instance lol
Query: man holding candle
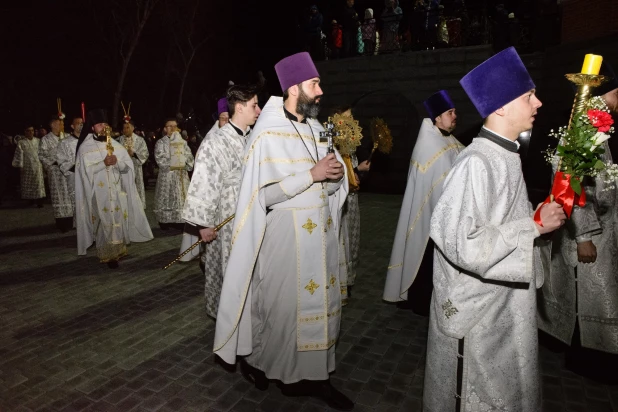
(482, 350)
(108, 209)
(138, 152)
(579, 300)
(66, 157)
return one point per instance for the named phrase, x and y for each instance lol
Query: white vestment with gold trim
(281, 297)
(175, 161)
(107, 206)
(432, 158)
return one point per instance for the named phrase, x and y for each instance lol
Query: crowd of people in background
(10, 182)
(423, 25)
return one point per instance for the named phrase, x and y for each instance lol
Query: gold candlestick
(110, 146)
(585, 83)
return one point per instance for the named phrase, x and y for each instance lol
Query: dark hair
(170, 119)
(239, 94)
(132, 123)
(28, 126)
(75, 117)
(286, 94)
(53, 119)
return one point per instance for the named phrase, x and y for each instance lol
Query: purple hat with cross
(438, 103)
(497, 81)
(295, 69)
(222, 106)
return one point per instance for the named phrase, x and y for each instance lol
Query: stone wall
(394, 86)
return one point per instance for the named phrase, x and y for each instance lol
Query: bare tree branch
(186, 38)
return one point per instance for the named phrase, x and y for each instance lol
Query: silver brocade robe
(212, 197)
(108, 209)
(432, 158)
(593, 297)
(65, 156)
(484, 287)
(289, 330)
(349, 239)
(58, 186)
(26, 158)
(172, 181)
(140, 156)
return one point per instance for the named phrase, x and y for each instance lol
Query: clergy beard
(306, 106)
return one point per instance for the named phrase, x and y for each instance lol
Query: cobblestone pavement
(75, 335)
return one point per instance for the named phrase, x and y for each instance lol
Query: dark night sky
(55, 49)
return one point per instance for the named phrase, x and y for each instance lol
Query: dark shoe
(350, 291)
(112, 264)
(164, 226)
(323, 390)
(254, 375)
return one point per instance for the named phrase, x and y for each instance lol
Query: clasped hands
(110, 160)
(328, 168)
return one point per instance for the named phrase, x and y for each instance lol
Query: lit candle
(83, 112)
(592, 64)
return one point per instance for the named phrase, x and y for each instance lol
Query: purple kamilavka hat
(222, 106)
(295, 69)
(438, 103)
(497, 81)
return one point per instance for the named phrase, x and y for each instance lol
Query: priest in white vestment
(26, 159)
(482, 348)
(108, 209)
(410, 271)
(175, 161)
(214, 187)
(66, 153)
(60, 197)
(579, 300)
(280, 305)
(138, 152)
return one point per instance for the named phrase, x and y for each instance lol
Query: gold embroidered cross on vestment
(309, 226)
(101, 184)
(312, 287)
(449, 309)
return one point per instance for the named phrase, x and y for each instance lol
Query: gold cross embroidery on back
(312, 287)
(309, 226)
(449, 309)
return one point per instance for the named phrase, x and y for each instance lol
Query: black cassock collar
(500, 141)
(292, 117)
